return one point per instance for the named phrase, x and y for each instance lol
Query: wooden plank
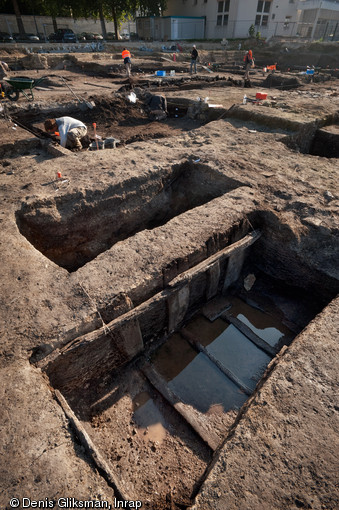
(206, 264)
(91, 448)
(207, 68)
(208, 436)
(214, 308)
(177, 304)
(106, 329)
(178, 282)
(234, 267)
(97, 85)
(168, 60)
(204, 67)
(213, 277)
(259, 342)
(198, 346)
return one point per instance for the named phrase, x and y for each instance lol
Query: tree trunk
(115, 21)
(20, 24)
(102, 21)
(55, 26)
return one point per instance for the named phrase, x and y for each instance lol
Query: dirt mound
(118, 111)
(281, 82)
(34, 61)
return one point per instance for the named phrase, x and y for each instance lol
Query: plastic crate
(160, 73)
(261, 95)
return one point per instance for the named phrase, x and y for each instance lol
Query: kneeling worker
(70, 130)
(156, 106)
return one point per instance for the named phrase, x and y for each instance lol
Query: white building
(172, 28)
(233, 18)
(319, 19)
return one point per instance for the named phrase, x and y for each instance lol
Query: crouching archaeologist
(70, 130)
(3, 74)
(156, 106)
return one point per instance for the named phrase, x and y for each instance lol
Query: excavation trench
(119, 118)
(325, 142)
(154, 393)
(73, 229)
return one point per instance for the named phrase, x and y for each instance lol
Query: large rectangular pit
(158, 388)
(74, 228)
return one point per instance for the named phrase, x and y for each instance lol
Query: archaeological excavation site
(169, 291)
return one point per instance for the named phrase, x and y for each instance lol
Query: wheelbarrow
(17, 85)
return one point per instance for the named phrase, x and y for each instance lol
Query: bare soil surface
(280, 451)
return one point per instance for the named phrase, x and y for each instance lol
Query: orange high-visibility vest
(125, 54)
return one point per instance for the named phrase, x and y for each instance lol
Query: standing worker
(127, 60)
(70, 130)
(194, 56)
(249, 62)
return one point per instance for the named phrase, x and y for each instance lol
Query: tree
(152, 7)
(251, 31)
(19, 21)
(115, 10)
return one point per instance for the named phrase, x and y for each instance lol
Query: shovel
(83, 105)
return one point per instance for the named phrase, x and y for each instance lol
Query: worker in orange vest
(249, 62)
(127, 60)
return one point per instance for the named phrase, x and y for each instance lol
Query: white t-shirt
(64, 125)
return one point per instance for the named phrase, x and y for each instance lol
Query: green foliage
(151, 7)
(251, 30)
(258, 36)
(115, 10)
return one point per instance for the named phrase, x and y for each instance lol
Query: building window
(223, 8)
(264, 6)
(261, 18)
(260, 6)
(267, 6)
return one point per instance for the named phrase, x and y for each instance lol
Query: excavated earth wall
(116, 231)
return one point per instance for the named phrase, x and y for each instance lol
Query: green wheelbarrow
(17, 85)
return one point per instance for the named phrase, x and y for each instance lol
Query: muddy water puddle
(148, 418)
(154, 454)
(197, 380)
(266, 326)
(194, 378)
(158, 433)
(232, 349)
